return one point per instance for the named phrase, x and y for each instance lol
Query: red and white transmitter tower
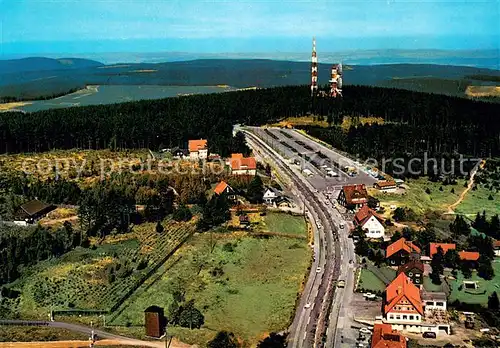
(314, 70)
(336, 81)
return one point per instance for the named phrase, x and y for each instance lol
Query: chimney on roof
(414, 256)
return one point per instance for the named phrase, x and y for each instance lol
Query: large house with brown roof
(385, 185)
(353, 196)
(414, 270)
(31, 212)
(243, 165)
(398, 253)
(370, 222)
(402, 301)
(385, 337)
(198, 149)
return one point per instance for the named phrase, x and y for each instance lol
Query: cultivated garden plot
(99, 277)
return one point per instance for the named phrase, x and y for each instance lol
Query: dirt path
(49, 222)
(451, 208)
(61, 344)
(106, 336)
(85, 344)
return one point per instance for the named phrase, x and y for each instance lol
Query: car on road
(341, 225)
(365, 330)
(318, 270)
(341, 284)
(307, 305)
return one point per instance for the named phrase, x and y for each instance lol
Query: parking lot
(315, 160)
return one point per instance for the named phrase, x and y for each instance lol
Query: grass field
(97, 277)
(475, 296)
(429, 286)
(416, 198)
(301, 121)
(10, 106)
(315, 121)
(347, 122)
(477, 201)
(27, 333)
(285, 223)
(370, 282)
(483, 91)
(254, 295)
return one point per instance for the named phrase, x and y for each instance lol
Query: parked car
(318, 270)
(429, 334)
(307, 305)
(341, 283)
(364, 330)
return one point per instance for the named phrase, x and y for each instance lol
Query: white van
(307, 172)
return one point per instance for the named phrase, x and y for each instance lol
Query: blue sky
(81, 26)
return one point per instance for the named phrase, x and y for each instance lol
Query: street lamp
(103, 319)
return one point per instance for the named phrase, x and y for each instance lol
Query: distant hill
(451, 80)
(44, 64)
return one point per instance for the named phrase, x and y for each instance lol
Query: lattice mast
(314, 69)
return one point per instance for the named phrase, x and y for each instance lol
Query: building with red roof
(468, 255)
(398, 253)
(353, 196)
(402, 301)
(385, 337)
(198, 149)
(433, 248)
(243, 165)
(370, 222)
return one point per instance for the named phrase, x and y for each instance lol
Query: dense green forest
(414, 122)
(27, 245)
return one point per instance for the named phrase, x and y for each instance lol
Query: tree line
(27, 245)
(414, 122)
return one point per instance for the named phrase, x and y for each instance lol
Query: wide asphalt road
(310, 323)
(330, 314)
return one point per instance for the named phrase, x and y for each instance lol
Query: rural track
(123, 340)
(480, 165)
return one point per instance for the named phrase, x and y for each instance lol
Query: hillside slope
(44, 64)
(452, 80)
